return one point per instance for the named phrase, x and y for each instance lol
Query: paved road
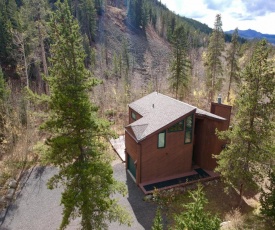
(38, 208)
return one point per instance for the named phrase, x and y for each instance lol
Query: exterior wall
(131, 120)
(207, 143)
(174, 159)
(133, 149)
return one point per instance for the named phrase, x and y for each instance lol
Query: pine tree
(2, 111)
(85, 12)
(5, 116)
(157, 224)
(2, 86)
(77, 142)
(232, 55)
(251, 141)
(180, 65)
(138, 13)
(8, 11)
(25, 39)
(99, 6)
(145, 15)
(195, 217)
(213, 63)
(33, 31)
(267, 199)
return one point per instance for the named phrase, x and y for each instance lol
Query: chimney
(221, 110)
(219, 99)
(153, 106)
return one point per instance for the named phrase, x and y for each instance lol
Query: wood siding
(174, 159)
(207, 143)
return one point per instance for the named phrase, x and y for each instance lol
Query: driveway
(37, 207)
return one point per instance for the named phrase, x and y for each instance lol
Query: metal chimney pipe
(219, 99)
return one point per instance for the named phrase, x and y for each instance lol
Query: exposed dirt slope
(147, 50)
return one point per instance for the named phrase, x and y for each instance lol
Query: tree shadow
(223, 202)
(144, 210)
(30, 185)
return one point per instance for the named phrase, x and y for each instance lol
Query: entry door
(131, 166)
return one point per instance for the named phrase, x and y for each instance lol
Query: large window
(188, 129)
(177, 127)
(161, 139)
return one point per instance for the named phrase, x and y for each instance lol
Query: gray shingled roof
(157, 111)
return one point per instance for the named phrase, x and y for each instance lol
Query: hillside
(147, 50)
(252, 34)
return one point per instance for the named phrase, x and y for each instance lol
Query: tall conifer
(213, 63)
(251, 141)
(180, 65)
(77, 142)
(232, 55)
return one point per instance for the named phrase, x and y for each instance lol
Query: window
(188, 129)
(161, 139)
(133, 115)
(177, 127)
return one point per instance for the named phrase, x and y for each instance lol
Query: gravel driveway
(37, 207)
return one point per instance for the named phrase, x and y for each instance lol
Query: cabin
(167, 138)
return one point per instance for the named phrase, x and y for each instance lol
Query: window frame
(163, 132)
(133, 116)
(179, 130)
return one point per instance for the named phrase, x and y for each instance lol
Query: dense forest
(100, 55)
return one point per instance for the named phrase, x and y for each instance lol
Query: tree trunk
(44, 61)
(25, 64)
(229, 87)
(241, 195)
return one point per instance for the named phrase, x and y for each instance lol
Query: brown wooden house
(166, 138)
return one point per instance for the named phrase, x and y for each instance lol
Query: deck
(119, 146)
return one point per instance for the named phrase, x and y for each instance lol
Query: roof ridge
(179, 101)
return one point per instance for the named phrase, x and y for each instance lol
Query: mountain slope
(252, 34)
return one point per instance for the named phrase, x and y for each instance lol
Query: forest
(69, 69)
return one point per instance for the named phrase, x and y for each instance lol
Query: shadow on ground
(144, 210)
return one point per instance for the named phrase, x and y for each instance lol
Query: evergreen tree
(180, 65)
(2, 111)
(251, 141)
(213, 61)
(195, 217)
(8, 11)
(232, 55)
(116, 65)
(33, 31)
(2, 86)
(99, 6)
(145, 15)
(138, 13)
(85, 12)
(157, 225)
(77, 141)
(5, 116)
(267, 199)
